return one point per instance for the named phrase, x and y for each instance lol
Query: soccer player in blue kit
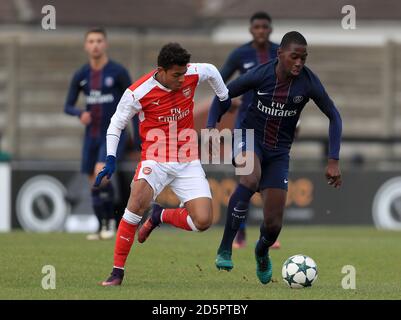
(281, 89)
(251, 54)
(103, 82)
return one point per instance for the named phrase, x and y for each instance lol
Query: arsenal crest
(186, 92)
(147, 170)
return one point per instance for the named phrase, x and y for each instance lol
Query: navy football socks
(103, 204)
(97, 205)
(266, 239)
(236, 214)
(107, 194)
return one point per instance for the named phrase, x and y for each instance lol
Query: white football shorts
(186, 179)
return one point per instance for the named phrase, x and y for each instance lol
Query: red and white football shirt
(166, 116)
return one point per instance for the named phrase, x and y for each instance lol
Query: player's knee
(273, 226)
(251, 182)
(138, 204)
(202, 222)
(202, 226)
(139, 208)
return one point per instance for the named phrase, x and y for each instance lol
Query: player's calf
(269, 233)
(179, 218)
(151, 223)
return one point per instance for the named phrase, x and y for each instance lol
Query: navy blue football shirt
(103, 90)
(243, 59)
(276, 106)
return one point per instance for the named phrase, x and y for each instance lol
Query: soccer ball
(299, 271)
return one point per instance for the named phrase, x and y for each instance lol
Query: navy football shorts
(274, 162)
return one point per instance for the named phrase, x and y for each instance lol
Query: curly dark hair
(172, 54)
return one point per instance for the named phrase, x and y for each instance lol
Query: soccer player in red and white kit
(164, 102)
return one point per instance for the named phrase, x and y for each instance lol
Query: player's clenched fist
(333, 174)
(85, 118)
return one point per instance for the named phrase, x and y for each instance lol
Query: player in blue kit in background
(281, 90)
(103, 82)
(251, 54)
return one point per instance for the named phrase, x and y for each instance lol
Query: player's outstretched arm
(333, 173)
(326, 105)
(209, 72)
(126, 109)
(217, 110)
(239, 86)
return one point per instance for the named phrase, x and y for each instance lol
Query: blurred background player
(259, 50)
(164, 100)
(281, 90)
(103, 82)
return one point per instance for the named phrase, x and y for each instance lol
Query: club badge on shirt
(109, 81)
(186, 92)
(298, 99)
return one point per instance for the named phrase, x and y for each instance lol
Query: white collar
(159, 84)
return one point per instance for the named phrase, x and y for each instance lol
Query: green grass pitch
(179, 265)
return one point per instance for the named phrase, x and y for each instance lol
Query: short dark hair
(172, 54)
(260, 15)
(293, 37)
(96, 30)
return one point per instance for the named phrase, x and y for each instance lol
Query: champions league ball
(299, 271)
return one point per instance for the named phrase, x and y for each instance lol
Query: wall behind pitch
(311, 200)
(45, 197)
(5, 196)
(55, 196)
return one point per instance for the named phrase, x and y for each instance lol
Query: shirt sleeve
(248, 81)
(208, 72)
(72, 96)
(229, 67)
(126, 109)
(124, 79)
(326, 105)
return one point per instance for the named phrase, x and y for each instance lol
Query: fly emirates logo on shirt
(96, 97)
(276, 109)
(176, 114)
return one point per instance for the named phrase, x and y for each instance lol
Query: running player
(249, 55)
(281, 89)
(103, 82)
(164, 101)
